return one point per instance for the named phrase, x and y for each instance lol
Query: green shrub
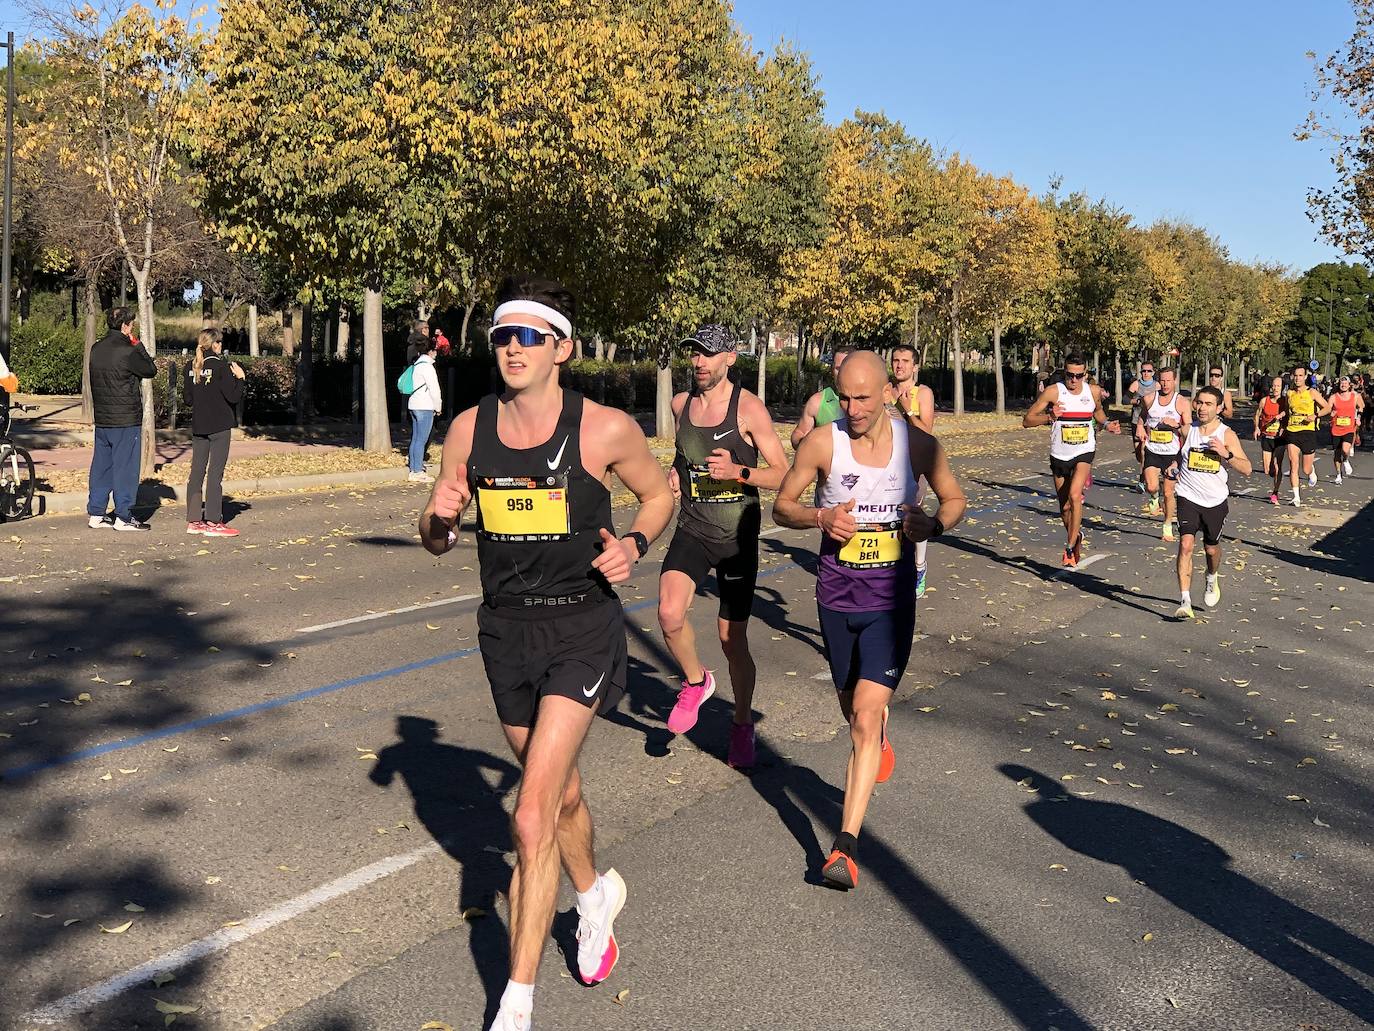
(46, 356)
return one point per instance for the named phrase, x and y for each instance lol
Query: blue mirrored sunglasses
(525, 336)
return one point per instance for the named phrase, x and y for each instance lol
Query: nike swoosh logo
(732, 578)
(591, 693)
(717, 436)
(553, 462)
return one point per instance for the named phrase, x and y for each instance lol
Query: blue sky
(1167, 109)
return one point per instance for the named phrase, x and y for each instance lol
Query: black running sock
(848, 844)
(698, 683)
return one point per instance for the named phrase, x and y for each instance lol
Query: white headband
(552, 316)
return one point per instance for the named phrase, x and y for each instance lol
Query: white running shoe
(1212, 595)
(509, 1020)
(132, 526)
(1297, 500)
(597, 951)
(1338, 478)
(1184, 611)
(1346, 468)
(105, 522)
(1312, 478)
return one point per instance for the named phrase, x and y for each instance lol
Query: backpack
(406, 383)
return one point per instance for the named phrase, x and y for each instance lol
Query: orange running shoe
(840, 871)
(886, 760)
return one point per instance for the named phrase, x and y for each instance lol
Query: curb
(155, 495)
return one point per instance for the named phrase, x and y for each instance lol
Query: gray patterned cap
(711, 338)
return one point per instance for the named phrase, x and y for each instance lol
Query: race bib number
(524, 508)
(1344, 420)
(709, 491)
(1202, 462)
(1165, 436)
(1073, 434)
(1272, 430)
(873, 547)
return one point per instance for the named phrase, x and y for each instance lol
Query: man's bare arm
(451, 493)
(759, 425)
(807, 422)
(1039, 413)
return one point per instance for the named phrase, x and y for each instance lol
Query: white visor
(552, 316)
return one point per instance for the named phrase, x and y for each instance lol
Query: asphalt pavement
(259, 783)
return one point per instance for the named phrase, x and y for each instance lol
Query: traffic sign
(1314, 365)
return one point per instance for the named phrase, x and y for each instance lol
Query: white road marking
(1082, 565)
(65, 1009)
(389, 612)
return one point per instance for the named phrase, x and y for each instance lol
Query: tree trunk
(956, 348)
(305, 367)
(342, 334)
(997, 365)
(1241, 390)
(800, 390)
(610, 350)
(148, 335)
(663, 396)
(577, 349)
(288, 333)
(598, 347)
(376, 425)
(92, 300)
(253, 331)
(761, 357)
(1194, 377)
(207, 307)
(1097, 364)
(467, 319)
(74, 306)
(1120, 394)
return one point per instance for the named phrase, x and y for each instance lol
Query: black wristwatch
(744, 474)
(939, 527)
(641, 542)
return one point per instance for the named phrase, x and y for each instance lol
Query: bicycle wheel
(16, 483)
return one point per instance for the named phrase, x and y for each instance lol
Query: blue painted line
(28, 769)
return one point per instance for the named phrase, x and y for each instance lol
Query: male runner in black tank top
(551, 629)
(722, 429)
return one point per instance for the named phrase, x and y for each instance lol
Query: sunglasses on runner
(1143, 371)
(1075, 375)
(515, 332)
(1215, 375)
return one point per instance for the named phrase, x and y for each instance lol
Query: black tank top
(719, 511)
(539, 515)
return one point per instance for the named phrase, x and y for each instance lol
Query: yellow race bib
(524, 508)
(873, 547)
(710, 491)
(1165, 436)
(1073, 434)
(1344, 420)
(1202, 462)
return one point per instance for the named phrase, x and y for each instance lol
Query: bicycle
(17, 479)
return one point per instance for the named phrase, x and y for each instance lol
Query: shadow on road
(1344, 551)
(1194, 874)
(462, 811)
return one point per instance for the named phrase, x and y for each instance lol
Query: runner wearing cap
(1072, 410)
(1347, 411)
(823, 407)
(915, 403)
(1209, 446)
(866, 466)
(535, 460)
(721, 432)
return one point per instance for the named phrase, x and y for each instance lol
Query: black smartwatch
(939, 528)
(641, 542)
(744, 474)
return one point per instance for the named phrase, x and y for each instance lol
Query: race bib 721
(873, 547)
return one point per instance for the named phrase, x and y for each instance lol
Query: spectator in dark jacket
(215, 387)
(119, 364)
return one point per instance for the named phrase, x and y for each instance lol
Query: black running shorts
(1193, 519)
(736, 564)
(1304, 440)
(867, 645)
(1164, 462)
(1062, 468)
(578, 654)
(1271, 443)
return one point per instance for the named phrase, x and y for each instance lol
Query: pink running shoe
(219, 530)
(196, 527)
(597, 950)
(741, 755)
(689, 701)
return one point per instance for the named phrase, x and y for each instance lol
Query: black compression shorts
(736, 565)
(1304, 440)
(1062, 468)
(579, 654)
(1164, 462)
(1271, 443)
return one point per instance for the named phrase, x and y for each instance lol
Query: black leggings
(210, 450)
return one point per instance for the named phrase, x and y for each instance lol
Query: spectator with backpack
(420, 382)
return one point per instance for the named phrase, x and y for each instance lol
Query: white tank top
(1160, 439)
(878, 493)
(1074, 432)
(1202, 476)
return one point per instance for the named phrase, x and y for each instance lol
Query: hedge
(46, 356)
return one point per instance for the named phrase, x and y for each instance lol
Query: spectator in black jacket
(215, 387)
(119, 364)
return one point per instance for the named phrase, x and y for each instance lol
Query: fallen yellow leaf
(117, 930)
(621, 996)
